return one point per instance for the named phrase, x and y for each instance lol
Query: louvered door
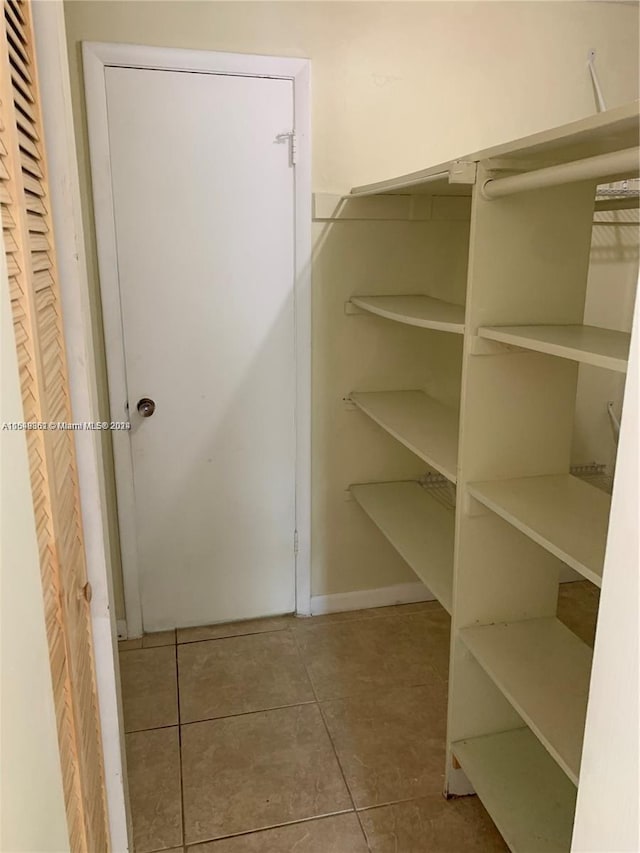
(35, 301)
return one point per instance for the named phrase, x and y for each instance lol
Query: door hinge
(295, 542)
(293, 145)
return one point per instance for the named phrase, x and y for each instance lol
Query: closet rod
(624, 162)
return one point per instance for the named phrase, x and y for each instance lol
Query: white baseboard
(383, 596)
(402, 593)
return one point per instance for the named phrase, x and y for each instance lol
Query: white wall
(396, 87)
(32, 812)
(608, 810)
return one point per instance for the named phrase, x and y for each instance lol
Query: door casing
(96, 58)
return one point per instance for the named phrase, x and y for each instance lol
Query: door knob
(146, 407)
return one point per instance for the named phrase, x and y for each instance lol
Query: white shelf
(428, 428)
(529, 798)
(420, 311)
(419, 528)
(600, 133)
(587, 344)
(543, 669)
(565, 515)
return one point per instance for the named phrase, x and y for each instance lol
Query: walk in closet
(466, 367)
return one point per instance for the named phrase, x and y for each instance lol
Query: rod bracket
(349, 405)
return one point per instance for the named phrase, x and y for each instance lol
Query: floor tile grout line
(433, 672)
(248, 713)
(249, 832)
(342, 773)
(151, 728)
(305, 623)
(144, 649)
(333, 746)
(231, 637)
(296, 632)
(314, 701)
(301, 821)
(184, 838)
(142, 646)
(415, 799)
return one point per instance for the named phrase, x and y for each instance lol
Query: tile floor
(321, 735)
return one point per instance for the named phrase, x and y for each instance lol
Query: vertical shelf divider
(528, 263)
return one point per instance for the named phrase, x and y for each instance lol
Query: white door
(204, 217)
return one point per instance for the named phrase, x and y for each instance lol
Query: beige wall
(31, 797)
(396, 87)
(611, 288)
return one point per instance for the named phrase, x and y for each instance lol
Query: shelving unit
(587, 344)
(560, 512)
(428, 428)
(519, 679)
(418, 527)
(423, 311)
(543, 669)
(529, 798)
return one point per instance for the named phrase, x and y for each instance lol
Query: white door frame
(97, 57)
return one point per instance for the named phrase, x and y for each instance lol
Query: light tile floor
(321, 735)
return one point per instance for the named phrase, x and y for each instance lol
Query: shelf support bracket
(473, 508)
(463, 172)
(350, 308)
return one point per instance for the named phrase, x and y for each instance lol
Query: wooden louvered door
(36, 306)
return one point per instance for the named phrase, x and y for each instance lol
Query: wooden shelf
(587, 344)
(543, 669)
(529, 798)
(565, 515)
(428, 428)
(419, 528)
(420, 311)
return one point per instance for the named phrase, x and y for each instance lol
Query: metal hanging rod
(615, 163)
(619, 189)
